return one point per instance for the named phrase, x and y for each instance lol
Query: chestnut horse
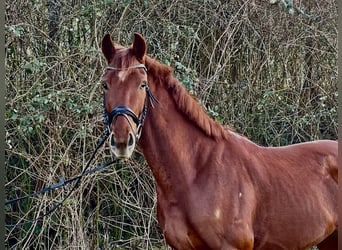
(215, 188)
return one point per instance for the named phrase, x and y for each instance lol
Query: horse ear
(108, 48)
(139, 47)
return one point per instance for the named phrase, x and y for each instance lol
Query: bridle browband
(125, 111)
(137, 66)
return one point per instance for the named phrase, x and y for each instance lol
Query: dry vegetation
(254, 66)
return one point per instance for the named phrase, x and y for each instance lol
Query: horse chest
(183, 232)
(203, 223)
(177, 228)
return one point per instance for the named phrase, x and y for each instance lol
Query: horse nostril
(130, 140)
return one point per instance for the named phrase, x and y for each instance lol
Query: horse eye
(104, 85)
(143, 85)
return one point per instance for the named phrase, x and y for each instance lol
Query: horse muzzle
(122, 146)
(125, 131)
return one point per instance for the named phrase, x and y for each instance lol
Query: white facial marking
(240, 194)
(217, 213)
(122, 75)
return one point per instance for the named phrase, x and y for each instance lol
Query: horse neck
(173, 145)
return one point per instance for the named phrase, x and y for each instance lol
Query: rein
(62, 183)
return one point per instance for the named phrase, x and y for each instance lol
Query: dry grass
(269, 74)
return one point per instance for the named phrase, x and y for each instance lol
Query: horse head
(126, 93)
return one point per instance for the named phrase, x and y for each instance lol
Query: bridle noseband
(126, 111)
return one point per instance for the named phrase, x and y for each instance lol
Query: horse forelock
(123, 57)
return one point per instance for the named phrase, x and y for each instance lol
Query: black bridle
(125, 111)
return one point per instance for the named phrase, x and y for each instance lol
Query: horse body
(233, 194)
(215, 188)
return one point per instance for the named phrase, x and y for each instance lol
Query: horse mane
(163, 75)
